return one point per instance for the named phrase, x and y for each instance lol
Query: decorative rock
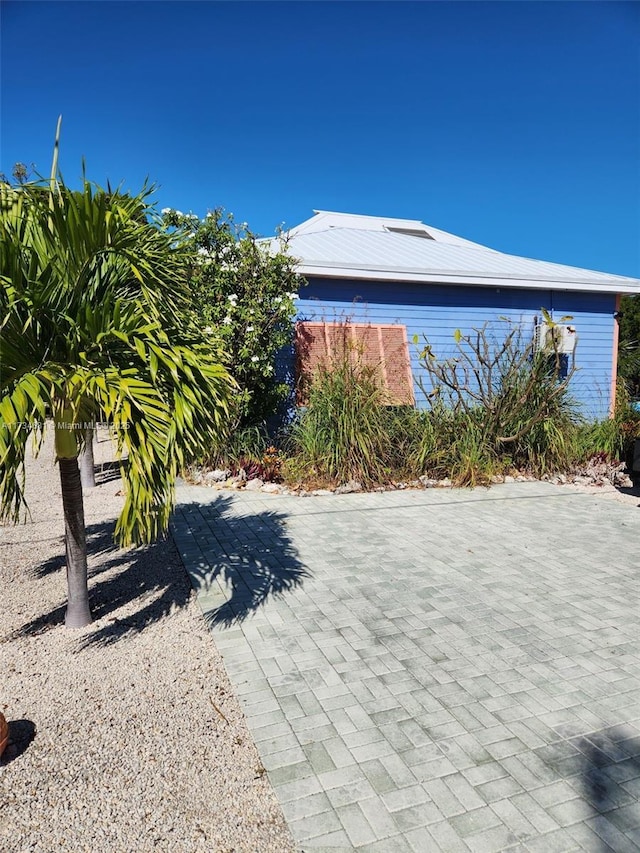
(319, 492)
(583, 481)
(509, 479)
(217, 476)
(444, 484)
(428, 482)
(497, 478)
(622, 480)
(271, 489)
(254, 485)
(349, 488)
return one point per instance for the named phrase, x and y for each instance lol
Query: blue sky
(514, 124)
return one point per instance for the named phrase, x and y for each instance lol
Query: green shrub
(238, 446)
(612, 436)
(510, 404)
(343, 432)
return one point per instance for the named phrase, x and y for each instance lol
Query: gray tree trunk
(85, 460)
(78, 613)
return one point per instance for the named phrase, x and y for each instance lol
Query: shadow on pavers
(241, 560)
(611, 764)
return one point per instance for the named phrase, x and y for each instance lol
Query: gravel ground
(125, 735)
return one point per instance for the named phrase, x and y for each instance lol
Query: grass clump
(343, 432)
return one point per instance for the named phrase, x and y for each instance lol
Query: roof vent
(410, 232)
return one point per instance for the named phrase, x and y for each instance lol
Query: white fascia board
(372, 274)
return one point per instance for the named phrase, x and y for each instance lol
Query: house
(394, 279)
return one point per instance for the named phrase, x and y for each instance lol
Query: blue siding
(438, 310)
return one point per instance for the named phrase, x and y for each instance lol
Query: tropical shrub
(629, 345)
(343, 432)
(243, 293)
(508, 401)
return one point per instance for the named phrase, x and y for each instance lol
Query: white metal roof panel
(376, 253)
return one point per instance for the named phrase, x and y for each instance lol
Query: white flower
(227, 320)
(292, 295)
(178, 213)
(208, 330)
(250, 328)
(233, 297)
(165, 210)
(278, 299)
(254, 358)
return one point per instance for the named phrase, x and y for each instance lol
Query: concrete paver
(432, 670)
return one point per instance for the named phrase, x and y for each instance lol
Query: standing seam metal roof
(373, 251)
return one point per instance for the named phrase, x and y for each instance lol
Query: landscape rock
(428, 482)
(349, 488)
(272, 489)
(217, 476)
(254, 485)
(622, 480)
(319, 492)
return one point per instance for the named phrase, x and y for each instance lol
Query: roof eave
(372, 274)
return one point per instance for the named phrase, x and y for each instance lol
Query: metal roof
(339, 245)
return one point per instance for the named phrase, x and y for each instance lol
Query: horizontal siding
(438, 310)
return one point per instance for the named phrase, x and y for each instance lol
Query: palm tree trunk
(85, 459)
(78, 614)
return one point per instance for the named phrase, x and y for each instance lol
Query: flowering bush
(245, 293)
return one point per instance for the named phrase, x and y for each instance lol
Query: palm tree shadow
(99, 542)
(246, 559)
(128, 588)
(236, 562)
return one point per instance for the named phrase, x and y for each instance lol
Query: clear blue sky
(514, 124)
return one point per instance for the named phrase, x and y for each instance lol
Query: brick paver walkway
(439, 670)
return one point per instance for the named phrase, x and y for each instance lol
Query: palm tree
(95, 322)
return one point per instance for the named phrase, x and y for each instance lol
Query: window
(384, 347)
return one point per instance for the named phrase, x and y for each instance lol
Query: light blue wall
(438, 310)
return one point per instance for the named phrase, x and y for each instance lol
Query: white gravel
(140, 743)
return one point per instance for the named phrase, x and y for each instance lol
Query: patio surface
(441, 670)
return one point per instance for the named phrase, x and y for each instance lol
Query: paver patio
(448, 670)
